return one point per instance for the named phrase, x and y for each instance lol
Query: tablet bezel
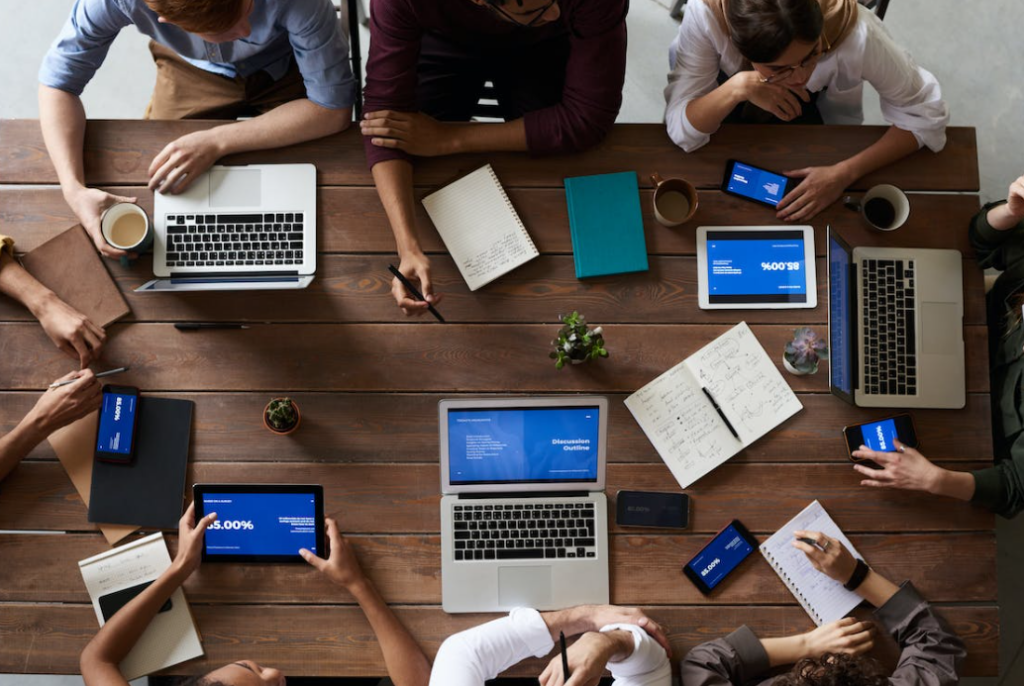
(810, 275)
(315, 490)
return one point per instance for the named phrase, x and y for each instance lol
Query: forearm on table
(785, 650)
(895, 144)
(707, 112)
(486, 137)
(18, 284)
(19, 443)
(294, 122)
(403, 657)
(393, 179)
(62, 119)
(876, 589)
(953, 484)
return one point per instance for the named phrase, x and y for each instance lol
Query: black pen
(565, 658)
(415, 293)
(721, 414)
(196, 326)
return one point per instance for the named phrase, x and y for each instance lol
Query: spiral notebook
(824, 599)
(480, 228)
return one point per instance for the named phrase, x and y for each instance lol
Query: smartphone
(755, 184)
(112, 602)
(115, 432)
(656, 510)
(879, 436)
(723, 553)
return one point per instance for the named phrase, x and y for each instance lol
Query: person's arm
(404, 659)
(115, 639)
(908, 469)
(996, 231)
(422, 135)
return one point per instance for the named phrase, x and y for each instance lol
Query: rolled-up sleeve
(931, 652)
(647, 665)
(321, 54)
(695, 64)
(82, 45)
(739, 658)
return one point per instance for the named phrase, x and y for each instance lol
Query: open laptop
(523, 511)
(895, 322)
(237, 228)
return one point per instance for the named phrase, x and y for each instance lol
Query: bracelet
(860, 573)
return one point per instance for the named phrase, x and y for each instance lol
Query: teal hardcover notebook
(606, 224)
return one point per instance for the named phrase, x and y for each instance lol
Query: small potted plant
(576, 343)
(803, 352)
(281, 416)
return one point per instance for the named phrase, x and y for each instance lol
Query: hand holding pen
(407, 284)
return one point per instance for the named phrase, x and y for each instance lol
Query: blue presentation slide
(720, 557)
(757, 184)
(260, 523)
(839, 333)
(117, 421)
(523, 445)
(740, 264)
(879, 435)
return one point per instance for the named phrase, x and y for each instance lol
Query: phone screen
(880, 435)
(719, 557)
(117, 423)
(756, 184)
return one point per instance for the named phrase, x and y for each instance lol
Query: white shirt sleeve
(647, 666)
(471, 657)
(695, 62)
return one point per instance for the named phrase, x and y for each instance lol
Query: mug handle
(656, 179)
(851, 204)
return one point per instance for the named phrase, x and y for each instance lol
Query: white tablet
(755, 267)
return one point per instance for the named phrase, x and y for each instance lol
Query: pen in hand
(58, 384)
(412, 291)
(565, 657)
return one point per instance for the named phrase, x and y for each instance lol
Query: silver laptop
(237, 228)
(523, 512)
(895, 321)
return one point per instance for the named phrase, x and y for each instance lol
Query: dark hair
(200, 16)
(833, 669)
(200, 680)
(763, 29)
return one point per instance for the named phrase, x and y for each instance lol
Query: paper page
(748, 387)
(682, 425)
(171, 636)
(825, 596)
(479, 227)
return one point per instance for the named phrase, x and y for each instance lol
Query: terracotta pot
(298, 419)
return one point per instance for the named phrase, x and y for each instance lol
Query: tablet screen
(756, 267)
(260, 525)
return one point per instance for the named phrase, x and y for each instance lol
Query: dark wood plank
(352, 220)
(349, 427)
(39, 496)
(645, 569)
(422, 356)
(119, 152)
(337, 641)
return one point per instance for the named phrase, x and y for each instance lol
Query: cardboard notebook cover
(148, 492)
(69, 265)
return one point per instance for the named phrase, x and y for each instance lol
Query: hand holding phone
(116, 429)
(879, 436)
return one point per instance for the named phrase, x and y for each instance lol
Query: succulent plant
(576, 343)
(282, 414)
(803, 352)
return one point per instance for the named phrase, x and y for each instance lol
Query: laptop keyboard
(233, 240)
(890, 361)
(524, 532)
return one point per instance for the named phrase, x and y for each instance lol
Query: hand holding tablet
(342, 567)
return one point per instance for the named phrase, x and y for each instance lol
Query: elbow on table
(681, 132)
(580, 133)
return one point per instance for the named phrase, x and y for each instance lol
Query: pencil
(415, 293)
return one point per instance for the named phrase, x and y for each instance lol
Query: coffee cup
(126, 226)
(885, 207)
(675, 200)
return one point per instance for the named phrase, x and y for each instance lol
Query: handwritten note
(480, 228)
(683, 425)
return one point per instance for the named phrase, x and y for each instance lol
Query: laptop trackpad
(939, 337)
(524, 586)
(235, 187)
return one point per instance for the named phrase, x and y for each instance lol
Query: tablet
(755, 267)
(261, 523)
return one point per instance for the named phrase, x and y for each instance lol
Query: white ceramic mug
(890, 211)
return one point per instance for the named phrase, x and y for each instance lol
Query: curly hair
(832, 669)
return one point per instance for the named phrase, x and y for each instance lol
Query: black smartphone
(723, 553)
(755, 184)
(879, 436)
(119, 417)
(658, 510)
(112, 602)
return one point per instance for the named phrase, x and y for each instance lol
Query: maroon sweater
(594, 73)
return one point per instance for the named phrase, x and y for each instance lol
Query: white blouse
(910, 96)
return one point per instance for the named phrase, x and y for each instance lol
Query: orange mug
(675, 200)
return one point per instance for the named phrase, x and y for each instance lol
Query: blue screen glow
(260, 523)
(524, 445)
(753, 266)
(840, 353)
(720, 556)
(757, 184)
(117, 421)
(879, 435)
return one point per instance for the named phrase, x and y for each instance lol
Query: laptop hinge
(230, 275)
(524, 494)
(856, 309)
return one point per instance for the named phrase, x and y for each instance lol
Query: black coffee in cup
(880, 212)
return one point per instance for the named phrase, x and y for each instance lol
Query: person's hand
(598, 616)
(71, 331)
(829, 556)
(846, 635)
(88, 204)
(190, 540)
(415, 267)
(907, 469)
(342, 567)
(184, 159)
(1015, 198)
(58, 407)
(587, 659)
(414, 132)
(782, 101)
(821, 186)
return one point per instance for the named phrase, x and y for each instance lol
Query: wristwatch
(860, 572)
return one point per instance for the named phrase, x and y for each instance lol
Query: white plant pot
(793, 370)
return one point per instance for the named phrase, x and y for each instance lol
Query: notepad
(171, 636)
(682, 423)
(480, 228)
(606, 224)
(824, 598)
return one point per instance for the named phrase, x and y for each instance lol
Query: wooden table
(368, 381)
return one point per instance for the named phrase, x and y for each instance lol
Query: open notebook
(824, 598)
(683, 424)
(480, 228)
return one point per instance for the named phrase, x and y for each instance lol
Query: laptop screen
(505, 445)
(839, 322)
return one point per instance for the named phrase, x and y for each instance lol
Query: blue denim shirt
(309, 29)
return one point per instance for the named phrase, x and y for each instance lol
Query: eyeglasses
(512, 17)
(783, 73)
